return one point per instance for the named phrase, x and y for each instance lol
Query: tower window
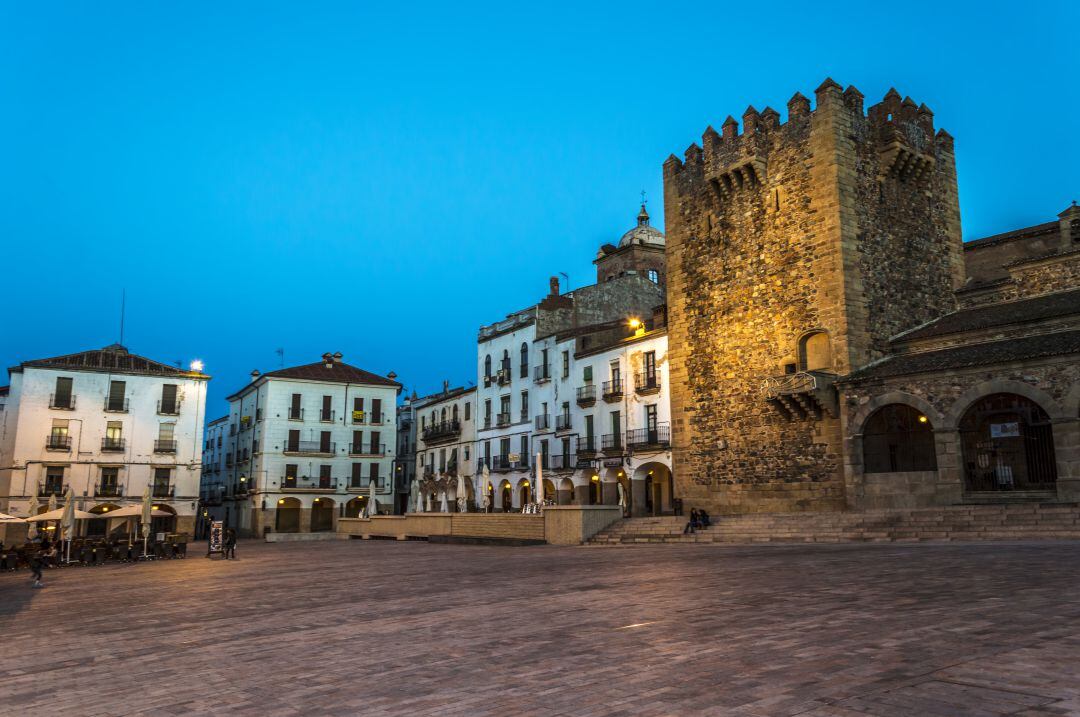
(654, 276)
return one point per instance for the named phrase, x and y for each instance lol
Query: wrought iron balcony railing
(62, 401)
(296, 414)
(613, 389)
(50, 488)
(442, 430)
(164, 446)
(168, 408)
(112, 444)
(162, 490)
(367, 449)
(647, 382)
(649, 437)
(108, 490)
(542, 373)
(586, 395)
(586, 445)
(316, 447)
(563, 422)
(116, 405)
(58, 442)
(326, 416)
(611, 443)
(543, 423)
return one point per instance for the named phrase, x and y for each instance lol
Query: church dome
(642, 233)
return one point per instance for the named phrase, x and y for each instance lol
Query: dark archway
(1008, 444)
(164, 524)
(322, 515)
(898, 438)
(287, 519)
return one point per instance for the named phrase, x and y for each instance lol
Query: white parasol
(414, 496)
(443, 507)
(372, 504)
(147, 514)
(622, 496)
(539, 479)
(67, 520)
(484, 483)
(462, 495)
(58, 514)
(31, 530)
(5, 518)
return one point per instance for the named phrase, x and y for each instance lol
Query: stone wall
(1054, 384)
(833, 221)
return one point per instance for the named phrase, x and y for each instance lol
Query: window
(523, 459)
(325, 479)
(295, 411)
(115, 401)
(616, 372)
(566, 364)
(815, 352)
(114, 437)
(654, 276)
(487, 412)
(586, 374)
(59, 429)
(376, 410)
(324, 442)
(589, 427)
(524, 360)
(454, 414)
(63, 398)
(1007, 443)
(294, 441)
(357, 442)
(376, 448)
(898, 438)
(168, 405)
(524, 405)
(327, 413)
(442, 459)
(54, 479)
(466, 449)
(468, 411)
(373, 474)
(358, 474)
(110, 480)
(487, 366)
(505, 365)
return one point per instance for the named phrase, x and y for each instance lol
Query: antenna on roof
(281, 357)
(123, 305)
(566, 276)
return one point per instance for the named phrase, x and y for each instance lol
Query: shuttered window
(117, 389)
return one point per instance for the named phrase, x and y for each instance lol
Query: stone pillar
(565, 497)
(950, 467)
(637, 492)
(1067, 454)
(305, 520)
(581, 494)
(610, 493)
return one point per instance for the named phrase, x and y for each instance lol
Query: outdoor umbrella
(147, 510)
(414, 497)
(419, 497)
(58, 514)
(372, 504)
(133, 511)
(462, 495)
(443, 507)
(31, 530)
(484, 487)
(539, 479)
(67, 521)
(5, 518)
(622, 497)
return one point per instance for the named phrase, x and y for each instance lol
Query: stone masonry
(837, 222)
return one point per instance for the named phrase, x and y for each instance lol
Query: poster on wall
(217, 537)
(1005, 430)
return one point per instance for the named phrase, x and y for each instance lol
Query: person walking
(230, 544)
(35, 567)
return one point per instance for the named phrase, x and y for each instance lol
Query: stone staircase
(1019, 521)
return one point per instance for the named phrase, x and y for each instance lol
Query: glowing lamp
(922, 419)
(197, 365)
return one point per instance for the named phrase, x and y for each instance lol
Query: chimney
(337, 357)
(445, 386)
(553, 282)
(328, 359)
(254, 374)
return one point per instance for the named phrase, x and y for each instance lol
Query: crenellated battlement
(902, 130)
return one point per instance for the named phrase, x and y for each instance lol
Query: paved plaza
(385, 628)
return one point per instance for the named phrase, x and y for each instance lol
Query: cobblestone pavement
(384, 628)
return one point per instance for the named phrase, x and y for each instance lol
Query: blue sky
(381, 180)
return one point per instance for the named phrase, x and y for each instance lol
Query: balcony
(501, 464)
(646, 382)
(62, 402)
(542, 374)
(296, 414)
(164, 446)
(503, 376)
(108, 490)
(586, 446)
(613, 390)
(50, 488)
(807, 394)
(611, 443)
(563, 422)
(58, 442)
(363, 484)
(313, 448)
(563, 462)
(327, 416)
(116, 405)
(543, 423)
(586, 395)
(442, 431)
(502, 420)
(305, 484)
(659, 437)
(367, 449)
(113, 444)
(162, 490)
(168, 408)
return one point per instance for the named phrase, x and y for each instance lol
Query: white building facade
(445, 448)
(108, 424)
(307, 443)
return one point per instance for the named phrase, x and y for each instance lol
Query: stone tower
(640, 250)
(794, 252)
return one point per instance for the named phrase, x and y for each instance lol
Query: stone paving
(385, 628)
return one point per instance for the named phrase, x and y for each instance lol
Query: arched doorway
(898, 438)
(549, 491)
(356, 507)
(595, 490)
(287, 519)
(1007, 443)
(506, 496)
(524, 492)
(322, 515)
(99, 527)
(566, 491)
(650, 489)
(164, 524)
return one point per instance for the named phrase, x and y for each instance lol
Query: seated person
(704, 518)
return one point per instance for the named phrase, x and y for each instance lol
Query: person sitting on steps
(694, 524)
(703, 518)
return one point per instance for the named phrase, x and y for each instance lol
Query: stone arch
(322, 514)
(951, 419)
(862, 415)
(650, 492)
(505, 496)
(100, 526)
(566, 491)
(287, 516)
(164, 524)
(356, 507)
(524, 492)
(549, 491)
(813, 350)
(1008, 443)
